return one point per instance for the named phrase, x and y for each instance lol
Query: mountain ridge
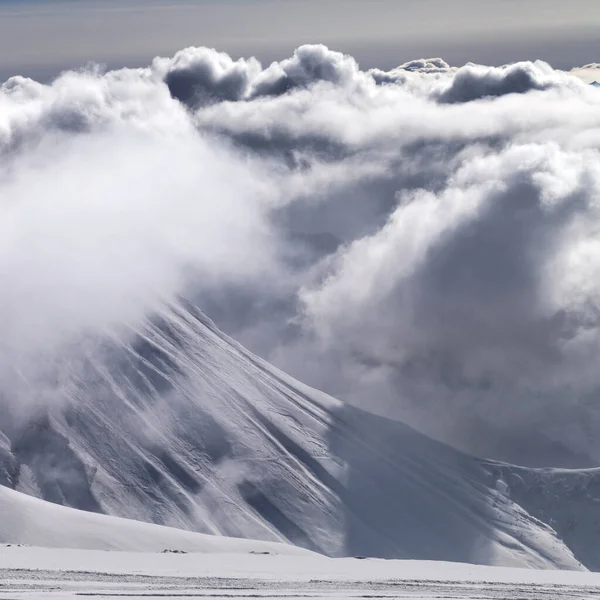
(181, 426)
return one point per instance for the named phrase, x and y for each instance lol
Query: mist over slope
(421, 242)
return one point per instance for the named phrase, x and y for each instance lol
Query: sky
(41, 38)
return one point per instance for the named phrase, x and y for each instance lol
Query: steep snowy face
(176, 424)
(566, 499)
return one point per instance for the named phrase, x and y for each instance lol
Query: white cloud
(421, 241)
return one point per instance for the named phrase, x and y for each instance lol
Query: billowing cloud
(200, 76)
(475, 81)
(487, 284)
(421, 241)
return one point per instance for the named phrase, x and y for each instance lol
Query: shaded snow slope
(27, 520)
(179, 425)
(569, 500)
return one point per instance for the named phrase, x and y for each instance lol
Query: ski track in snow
(44, 573)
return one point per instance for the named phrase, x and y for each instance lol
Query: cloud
(201, 76)
(419, 67)
(111, 202)
(197, 76)
(589, 73)
(476, 278)
(420, 241)
(473, 82)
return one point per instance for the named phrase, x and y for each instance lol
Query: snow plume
(111, 200)
(421, 241)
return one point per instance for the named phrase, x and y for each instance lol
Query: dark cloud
(473, 82)
(200, 76)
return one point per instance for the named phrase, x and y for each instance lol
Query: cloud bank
(422, 242)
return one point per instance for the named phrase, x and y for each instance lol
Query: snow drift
(32, 572)
(33, 522)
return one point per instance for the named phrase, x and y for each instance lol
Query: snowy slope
(30, 521)
(40, 572)
(178, 425)
(569, 500)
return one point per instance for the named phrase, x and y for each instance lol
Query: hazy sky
(41, 37)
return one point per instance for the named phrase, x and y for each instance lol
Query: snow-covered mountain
(178, 425)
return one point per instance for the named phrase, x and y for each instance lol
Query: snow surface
(27, 572)
(27, 520)
(178, 425)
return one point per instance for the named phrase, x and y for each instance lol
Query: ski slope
(30, 521)
(176, 424)
(38, 573)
